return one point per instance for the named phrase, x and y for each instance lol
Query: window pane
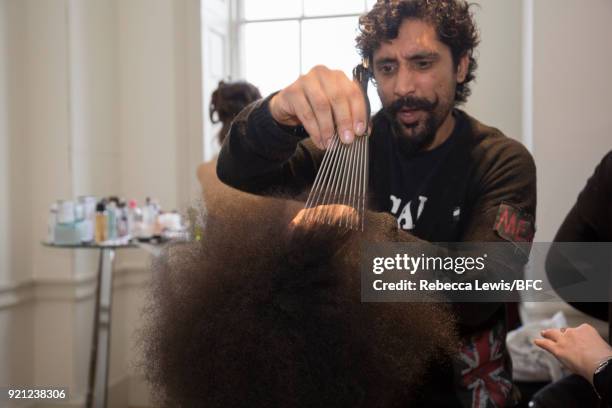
(330, 7)
(266, 66)
(331, 42)
(375, 104)
(371, 4)
(260, 9)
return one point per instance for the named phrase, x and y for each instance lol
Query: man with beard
(445, 176)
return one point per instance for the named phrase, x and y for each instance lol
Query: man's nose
(404, 83)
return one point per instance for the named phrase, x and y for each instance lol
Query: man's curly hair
(452, 20)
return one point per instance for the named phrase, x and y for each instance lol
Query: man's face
(416, 80)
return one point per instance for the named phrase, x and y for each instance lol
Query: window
(281, 39)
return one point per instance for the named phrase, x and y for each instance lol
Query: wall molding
(69, 290)
(118, 396)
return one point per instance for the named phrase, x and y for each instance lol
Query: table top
(93, 245)
(153, 247)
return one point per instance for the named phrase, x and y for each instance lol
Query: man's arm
(507, 182)
(508, 188)
(263, 150)
(259, 155)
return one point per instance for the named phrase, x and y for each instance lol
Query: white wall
(96, 97)
(572, 126)
(16, 328)
(15, 192)
(46, 127)
(496, 98)
(5, 163)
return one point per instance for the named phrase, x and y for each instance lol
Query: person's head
(262, 314)
(228, 100)
(421, 56)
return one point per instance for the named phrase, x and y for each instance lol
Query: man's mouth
(409, 116)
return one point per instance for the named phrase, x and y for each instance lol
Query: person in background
(585, 353)
(225, 103)
(228, 100)
(589, 220)
(581, 349)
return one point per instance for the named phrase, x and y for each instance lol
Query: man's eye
(423, 64)
(387, 69)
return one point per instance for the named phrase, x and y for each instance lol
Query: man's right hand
(322, 101)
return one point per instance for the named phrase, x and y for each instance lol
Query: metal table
(97, 388)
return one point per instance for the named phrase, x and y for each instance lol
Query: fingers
(552, 334)
(358, 109)
(307, 118)
(323, 101)
(546, 344)
(321, 107)
(347, 103)
(342, 116)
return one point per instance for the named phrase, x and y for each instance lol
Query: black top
(589, 220)
(602, 381)
(461, 187)
(411, 174)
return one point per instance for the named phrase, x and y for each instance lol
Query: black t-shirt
(410, 175)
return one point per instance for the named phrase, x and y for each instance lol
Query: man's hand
(321, 101)
(580, 349)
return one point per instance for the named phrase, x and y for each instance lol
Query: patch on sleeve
(513, 224)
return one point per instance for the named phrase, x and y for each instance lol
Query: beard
(259, 315)
(415, 121)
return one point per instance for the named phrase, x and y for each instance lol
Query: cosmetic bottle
(148, 220)
(101, 223)
(65, 231)
(51, 223)
(112, 220)
(134, 219)
(87, 224)
(122, 220)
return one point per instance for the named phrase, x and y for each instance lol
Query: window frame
(239, 66)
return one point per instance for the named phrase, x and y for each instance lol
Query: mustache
(411, 102)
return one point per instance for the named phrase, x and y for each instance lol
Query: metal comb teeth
(342, 178)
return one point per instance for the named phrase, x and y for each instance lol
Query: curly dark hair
(256, 315)
(228, 100)
(452, 20)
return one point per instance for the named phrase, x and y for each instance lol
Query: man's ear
(462, 68)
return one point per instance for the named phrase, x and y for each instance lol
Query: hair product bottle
(101, 223)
